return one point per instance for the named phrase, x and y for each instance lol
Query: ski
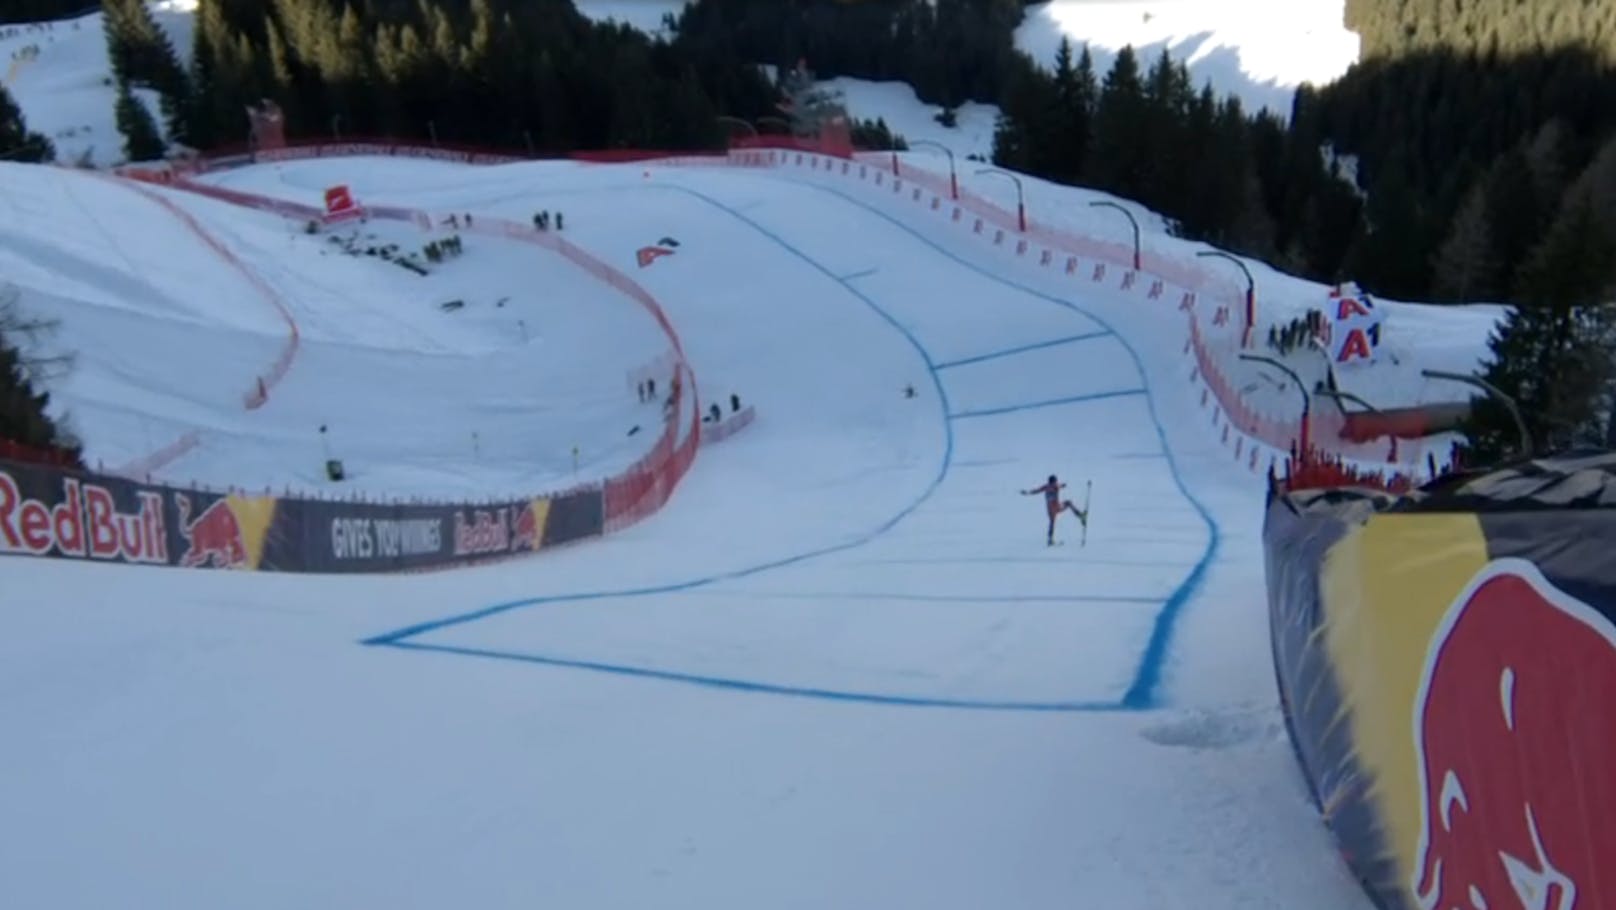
(1088, 485)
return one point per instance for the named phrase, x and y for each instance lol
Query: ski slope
(1258, 51)
(66, 89)
(171, 335)
(840, 668)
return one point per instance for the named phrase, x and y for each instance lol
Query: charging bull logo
(1517, 741)
(525, 530)
(214, 538)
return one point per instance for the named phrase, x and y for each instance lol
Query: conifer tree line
(24, 405)
(507, 73)
(142, 56)
(950, 51)
(1441, 167)
(1389, 28)
(22, 408)
(1471, 156)
(17, 143)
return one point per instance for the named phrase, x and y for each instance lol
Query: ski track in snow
(853, 551)
(1140, 694)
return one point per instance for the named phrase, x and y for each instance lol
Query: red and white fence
(1256, 439)
(630, 496)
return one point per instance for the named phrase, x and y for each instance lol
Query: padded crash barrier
(1446, 662)
(51, 512)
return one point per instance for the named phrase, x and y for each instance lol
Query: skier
(1056, 505)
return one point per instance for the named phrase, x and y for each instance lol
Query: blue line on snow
(846, 278)
(953, 598)
(1074, 399)
(1022, 349)
(397, 636)
(719, 682)
(1140, 695)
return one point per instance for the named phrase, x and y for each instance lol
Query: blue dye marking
(397, 636)
(954, 598)
(1022, 349)
(1141, 693)
(743, 685)
(1074, 399)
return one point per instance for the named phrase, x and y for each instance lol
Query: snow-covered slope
(1415, 336)
(169, 336)
(65, 90)
(906, 115)
(841, 668)
(1256, 50)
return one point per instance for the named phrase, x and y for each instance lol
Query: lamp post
(1496, 393)
(1340, 396)
(1021, 204)
(1131, 220)
(780, 120)
(722, 118)
(1307, 400)
(1251, 292)
(953, 179)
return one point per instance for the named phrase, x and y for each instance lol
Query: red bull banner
(1446, 661)
(48, 512)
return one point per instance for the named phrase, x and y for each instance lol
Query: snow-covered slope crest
(503, 370)
(1256, 50)
(60, 76)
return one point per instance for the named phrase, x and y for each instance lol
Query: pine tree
(1066, 108)
(139, 51)
(141, 141)
(1552, 355)
(1080, 107)
(1515, 213)
(1166, 161)
(120, 43)
(16, 142)
(1025, 137)
(1597, 186)
(1120, 129)
(1464, 268)
(24, 408)
(1200, 210)
(1392, 256)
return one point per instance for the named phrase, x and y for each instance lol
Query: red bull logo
(214, 538)
(486, 532)
(524, 529)
(82, 520)
(1516, 744)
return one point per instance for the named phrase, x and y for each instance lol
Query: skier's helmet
(1052, 478)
